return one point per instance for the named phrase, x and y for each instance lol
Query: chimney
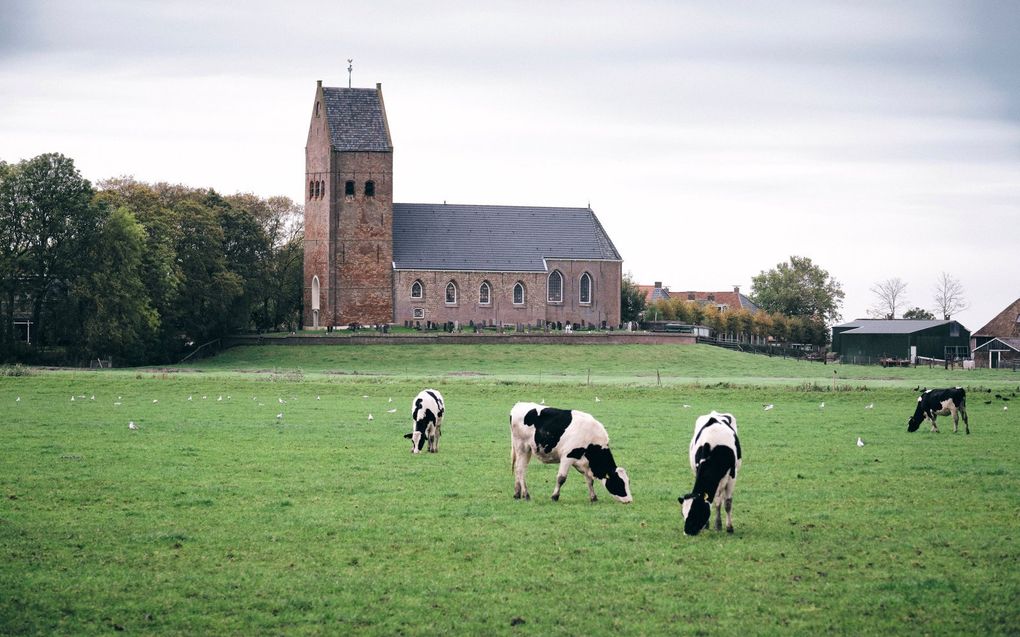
(736, 289)
(378, 86)
(658, 284)
(318, 83)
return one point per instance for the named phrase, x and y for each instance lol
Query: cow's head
(618, 485)
(915, 421)
(696, 511)
(417, 440)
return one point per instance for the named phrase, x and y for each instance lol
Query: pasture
(215, 516)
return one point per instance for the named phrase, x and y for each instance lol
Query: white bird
(769, 406)
(72, 399)
(279, 416)
(203, 397)
(870, 406)
(119, 398)
(132, 425)
(364, 396)
(860, 443)
(18, 399)
(543, 402)
(219, 399)
(1005, 408)
(597, 399)
(282, 401)
(155, 400)
(370, 417)
(116, 404)
(391, 411)
(821, 406)
(189, 397)
(93, 397)
(390, 400)
(686, 406)
(318, 398)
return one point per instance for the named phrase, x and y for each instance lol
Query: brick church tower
(348, 268)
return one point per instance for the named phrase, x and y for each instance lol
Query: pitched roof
(998, 343)
(889, 326)
(495, 238)
(734, 300)
(357, 119)
(1006, 323)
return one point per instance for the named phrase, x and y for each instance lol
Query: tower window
(556, 287)
(322, 189)
(585, 289)
(349, 189)
(317, 109)
(519, 293)
(419, 312)
(451, 293)
(484, 293)
(417, 291)
(369, 188)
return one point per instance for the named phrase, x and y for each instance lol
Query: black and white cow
(940, 402)
(715, 460)
(570, 438)
(427, 414)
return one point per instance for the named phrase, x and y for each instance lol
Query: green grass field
(215, 516)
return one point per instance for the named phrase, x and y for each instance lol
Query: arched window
(316, 109)
(519, 293)
(311, 190)
(451, 293)
(315, 301)
(484, 293)
(369, 188)
(322, 189)
(584, 295)
(349, 189)
(417, 290)
(555, 287)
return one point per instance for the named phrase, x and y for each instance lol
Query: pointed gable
(1006, 323)
(357, 119)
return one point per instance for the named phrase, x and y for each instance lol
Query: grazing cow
(427, 414)
(571, 438)
(940, 402)
(715, 460)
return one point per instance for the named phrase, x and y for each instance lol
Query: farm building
(867, 341)
(728, 300)
(371, 261)
(997, 344)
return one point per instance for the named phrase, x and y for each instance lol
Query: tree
(890, 294)
(918, 313)
(949, 297)
(798, 288)
(632, 300)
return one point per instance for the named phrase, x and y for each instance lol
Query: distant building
(997, 344)
(730, 300)
(371, 261)
(866, 341)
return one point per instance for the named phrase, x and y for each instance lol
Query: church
(370, 261)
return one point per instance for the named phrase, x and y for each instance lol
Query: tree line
(135, 271)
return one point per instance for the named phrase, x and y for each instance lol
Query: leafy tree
(919, 314)
(798, 288)
(890, 296)
(949, 298)
(632, 300)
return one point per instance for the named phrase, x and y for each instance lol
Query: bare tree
(949, 296)
(891, 295)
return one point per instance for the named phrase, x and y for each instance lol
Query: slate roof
(886, 326)
(495, 238)
(357, 120)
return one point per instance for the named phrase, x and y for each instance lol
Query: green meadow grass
(217, 517)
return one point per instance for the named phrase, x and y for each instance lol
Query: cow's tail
(513, 459)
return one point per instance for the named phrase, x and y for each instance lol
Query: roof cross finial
(350, 71)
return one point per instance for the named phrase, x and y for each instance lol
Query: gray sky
(713, 139)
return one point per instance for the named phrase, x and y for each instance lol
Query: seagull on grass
(18, 399)
(822, 406)
(279, 416)
(870, 406)
(597, 399)
(769, 406)
(282, 401)
(189, 397)
(132, 425)
(370, 417)
(391, 411)
(860, 443)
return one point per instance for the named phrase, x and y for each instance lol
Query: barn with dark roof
(371, 261)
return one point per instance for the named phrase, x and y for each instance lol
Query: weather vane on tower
(350, 71)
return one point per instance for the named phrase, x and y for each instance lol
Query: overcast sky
(712, 139)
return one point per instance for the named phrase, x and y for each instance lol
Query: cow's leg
(718, 514)
(934, 427)
(589, 480)
(729, 515)
(963, 412)
(561, 476)
(956, 418)
(521, 458)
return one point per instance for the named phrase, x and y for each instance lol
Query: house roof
(999, 344)
(732, 299)
(888, 326)
(357, 119)
(1006, 323)
(495, 238)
